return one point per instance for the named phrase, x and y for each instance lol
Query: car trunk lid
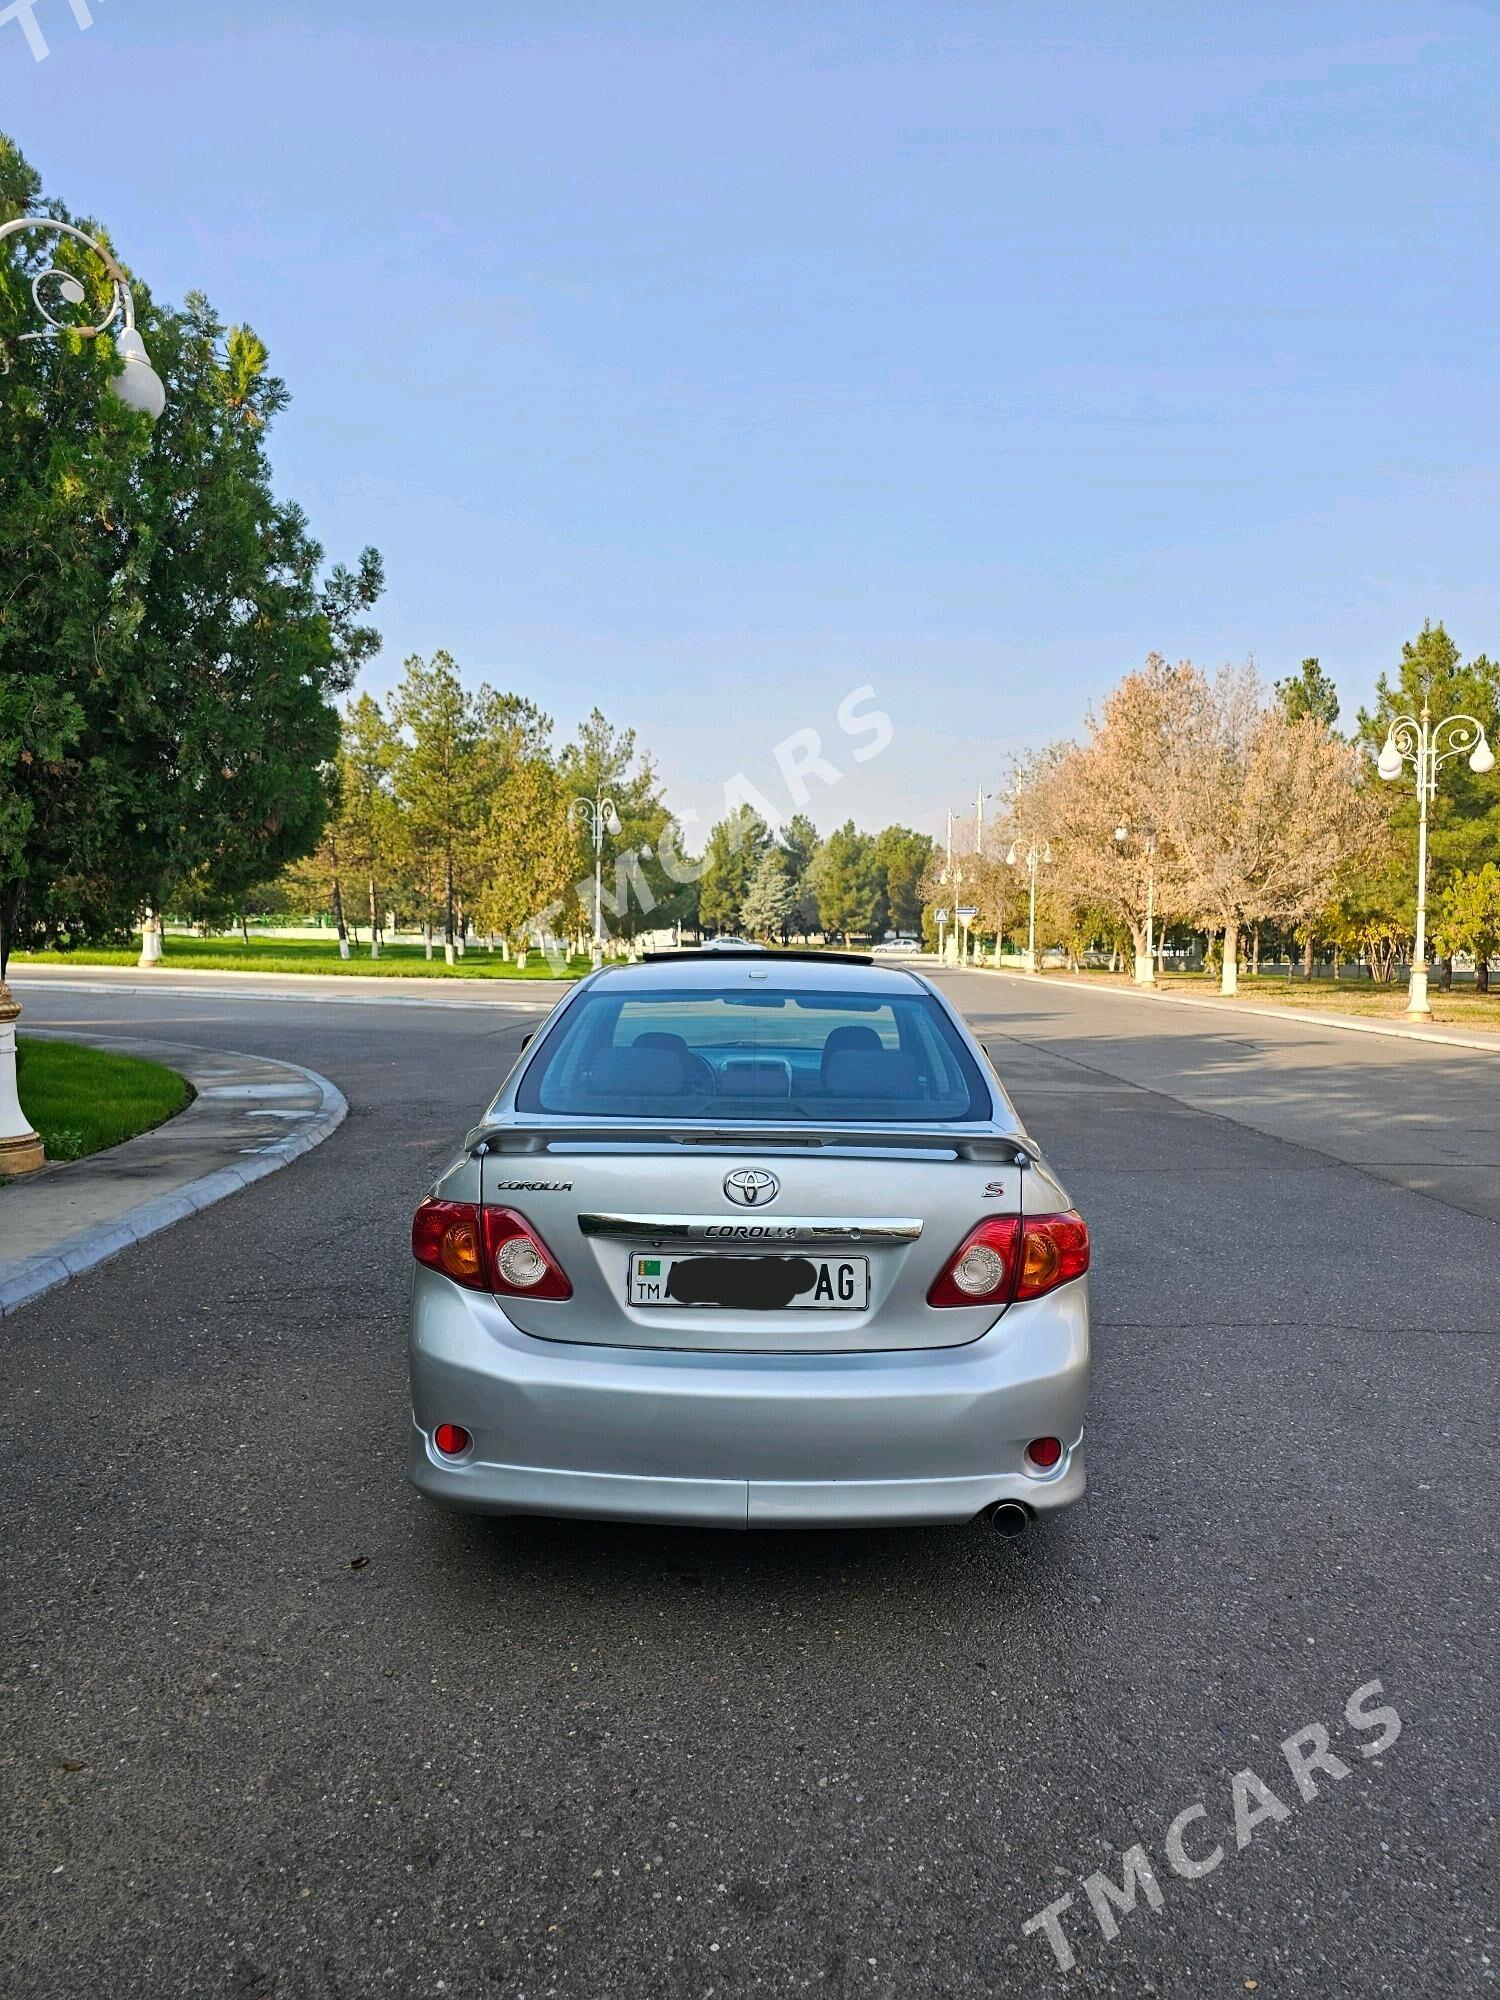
(898, 1203)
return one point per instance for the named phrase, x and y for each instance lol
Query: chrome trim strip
(741, 1229)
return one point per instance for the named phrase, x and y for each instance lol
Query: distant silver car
(750, 1241)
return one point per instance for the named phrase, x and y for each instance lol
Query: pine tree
(850, 885)
(771, 898)
(1309, 693)
(438, 777)
(731, 857)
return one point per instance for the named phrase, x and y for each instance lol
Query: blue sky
(710, 361)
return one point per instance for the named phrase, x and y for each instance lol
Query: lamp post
(599, 816)
(1427, 745)
(1038, 854)
(139, 387)
(1145, 963)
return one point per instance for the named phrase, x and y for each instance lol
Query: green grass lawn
(81, 1100)
(232, 954)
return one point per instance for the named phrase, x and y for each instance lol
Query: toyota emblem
(751, 1187)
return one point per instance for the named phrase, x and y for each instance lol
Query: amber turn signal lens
(458, 1251)
(1040, 1261)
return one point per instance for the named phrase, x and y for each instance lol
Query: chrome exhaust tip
(1009, 1518)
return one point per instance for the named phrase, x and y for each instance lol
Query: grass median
(317, 955)
(82, 1100)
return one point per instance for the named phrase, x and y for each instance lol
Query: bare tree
(1078, 796)
(1263, 812)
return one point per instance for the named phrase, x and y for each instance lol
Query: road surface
(273, 1728)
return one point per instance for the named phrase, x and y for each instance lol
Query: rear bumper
(745, 1440)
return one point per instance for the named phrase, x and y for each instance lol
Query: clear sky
(708, 361)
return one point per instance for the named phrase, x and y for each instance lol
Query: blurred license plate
(752, 1284)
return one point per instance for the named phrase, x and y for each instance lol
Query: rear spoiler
(1014, 1149)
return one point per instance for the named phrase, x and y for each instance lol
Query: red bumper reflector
(452, 1440)
(1044, 1452)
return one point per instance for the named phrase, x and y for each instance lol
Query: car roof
(721, 970)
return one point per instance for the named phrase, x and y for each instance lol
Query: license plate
(752, 1284)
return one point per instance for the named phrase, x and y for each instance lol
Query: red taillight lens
(452, 1440)
(997, 1262)
(1056, 1250)
(520, 1262)
(982, 1270)
(486, 1250)
(446, 1236)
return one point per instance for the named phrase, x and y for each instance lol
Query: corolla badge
(751, 1187)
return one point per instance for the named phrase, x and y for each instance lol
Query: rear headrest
(871, 1073)
(658, 1038)
(637, 1072)
(841, 1040)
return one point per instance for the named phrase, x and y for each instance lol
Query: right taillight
(1005, 1258)
(1055, 1250)
(982, 1270)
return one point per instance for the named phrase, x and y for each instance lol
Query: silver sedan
(756, 1241)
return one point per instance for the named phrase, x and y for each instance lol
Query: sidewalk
(250, 1116)
(536, 996)
(1359, 1024)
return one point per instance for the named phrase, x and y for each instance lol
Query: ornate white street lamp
(1426, 746)
(21, 1151)
(1145, 963)
(1037, 854)
(139, 387)
(599, 815)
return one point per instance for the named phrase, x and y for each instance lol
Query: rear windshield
(845, 1057)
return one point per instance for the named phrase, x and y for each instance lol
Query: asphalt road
(272, 1727)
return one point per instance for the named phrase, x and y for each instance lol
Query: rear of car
(753, 1241)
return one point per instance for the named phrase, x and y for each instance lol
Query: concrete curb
(28, 1278)
(1489, 1046)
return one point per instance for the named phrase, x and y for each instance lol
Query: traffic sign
(966, 914)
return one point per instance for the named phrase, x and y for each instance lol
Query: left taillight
(486, 1250)
(448, 1236)
(520, 1262)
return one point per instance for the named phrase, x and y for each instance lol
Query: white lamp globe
(1389, 762)
(1483, 758)
(138, 385)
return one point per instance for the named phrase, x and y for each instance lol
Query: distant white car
(899, 947)
(731, 944)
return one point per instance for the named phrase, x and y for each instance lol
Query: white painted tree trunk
(1229, 978)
